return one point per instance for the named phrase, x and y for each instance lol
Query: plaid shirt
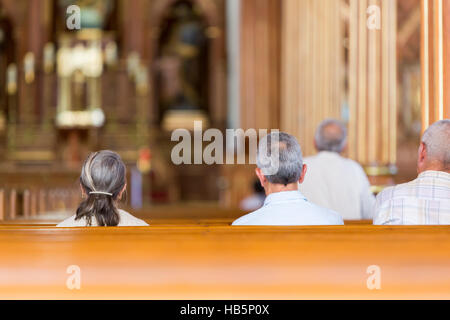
(425, 200)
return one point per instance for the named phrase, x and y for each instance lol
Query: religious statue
(182, 61)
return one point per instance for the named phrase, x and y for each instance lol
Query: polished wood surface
(311, 67)
(219, 261)
(186, 222)
(372, 73)
(260, 52)
(435, 61)
(153, 222)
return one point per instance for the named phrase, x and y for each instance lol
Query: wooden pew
(30, 203)
(156, 222)
(2, 204)
(221, 262)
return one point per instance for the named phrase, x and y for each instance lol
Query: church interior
(133, 71)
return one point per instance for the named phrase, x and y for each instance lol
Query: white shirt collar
(433, 173)
(328, 154)
(284, 196)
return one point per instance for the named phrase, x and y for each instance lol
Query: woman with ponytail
(103, 182)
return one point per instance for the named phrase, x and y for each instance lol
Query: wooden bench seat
(156, 222)
(220, 262)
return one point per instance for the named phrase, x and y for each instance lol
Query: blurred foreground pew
(17, 203)
(223, 262)
(40, 203)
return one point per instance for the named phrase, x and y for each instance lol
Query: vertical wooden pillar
(259, 84)
(26, 208)
(48, 83)
(373, 86)
(30, 104)
(435, 60)
(42, 207)
(2, 204)
(260, 63)
(33, 203)
(134, 26)
(312, 64)
(12, 204)
(51, 200)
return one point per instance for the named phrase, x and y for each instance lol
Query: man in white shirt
(335, 182)
(425, 200)
(279, 172)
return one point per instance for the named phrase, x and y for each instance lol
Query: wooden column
(260, 64)
(435, 60)
(259, 90)
(2, 204)
(12, 204)
(134, 26)
(26, 204)
(312, 65)
(30, 90)
(373, 87)
(42, 207)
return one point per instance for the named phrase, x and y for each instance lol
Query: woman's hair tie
(101, 192)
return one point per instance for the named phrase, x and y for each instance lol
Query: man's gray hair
(287, 168)
(331, 135)
(437, 142)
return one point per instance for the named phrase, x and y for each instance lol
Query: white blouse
(126, 220)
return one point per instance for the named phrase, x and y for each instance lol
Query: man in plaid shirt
(425, 200)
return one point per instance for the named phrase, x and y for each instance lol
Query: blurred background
(137, 69)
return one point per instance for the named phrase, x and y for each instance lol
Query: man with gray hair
(280, 168)
(335, 182)
(425, 200)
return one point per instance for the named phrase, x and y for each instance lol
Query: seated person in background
(335, 182)
(425, 200)
(256, 200)
(103, 182)
(284, 204)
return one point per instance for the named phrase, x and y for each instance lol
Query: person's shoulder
(335, 160)
(127, 219)
(385, 208)
(399, 190)
(328, 214)
(69, 222)
(356, 166)
(310, 159)
(248, 218)
(335, 217)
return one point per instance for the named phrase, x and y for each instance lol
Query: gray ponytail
(103, 177)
